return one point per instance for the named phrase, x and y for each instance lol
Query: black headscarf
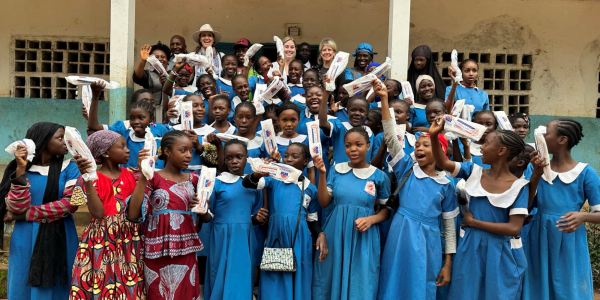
(49, 257)
(430, 69)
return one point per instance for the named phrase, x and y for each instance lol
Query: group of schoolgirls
(439, 238)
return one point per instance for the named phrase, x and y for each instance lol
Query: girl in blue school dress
(220, 108)
(467, 89)
(425, 92)
(296, 71)
(246, 118)
(336, 129)
(487, 119)
(309, 112)
(289, 116)
(310, 78)
(355, 189)
(242, 94)
(414, 270)
(283, 205)
(490, 261)
(230, 266)
(141, 116)
(557, 251)
(224, 84)
(340, 110)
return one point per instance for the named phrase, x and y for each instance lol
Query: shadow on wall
(18, 114)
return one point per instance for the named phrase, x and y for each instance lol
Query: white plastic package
(467, 112)
(338, 65)
(454, 63)
(279, 45)
(149, 163)
(187, 117)
(205, 187)
(276, 171)
(399, 130)
(86, 97)
(268, 134)
(360, 85)
(458, 108)
(12, 148)
(250, 52)
(85, 80)
(260, 89)
(314, 138)
(384, 67)
(542, 148)
(464, 128)
(177, 106)
(407, 92)
(225, 137)
(77, 146)
(272, 90)
(503, 120)
(192, 59)
(154, 62)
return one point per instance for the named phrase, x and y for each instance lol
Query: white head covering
(424, 77)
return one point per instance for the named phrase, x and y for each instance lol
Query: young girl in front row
(141, 116)
(410, 270)
(171, 241)
(110, 245)
(557, 248)
(289, 116)
(355, 188)
(230, 267)
(284, 204)
(498, 205)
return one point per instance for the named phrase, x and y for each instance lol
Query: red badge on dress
(370, 188)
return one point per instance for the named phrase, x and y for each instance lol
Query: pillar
(398, 37)
(122, 37)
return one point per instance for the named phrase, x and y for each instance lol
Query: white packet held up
(467, 112)
(407, 92)
(457, 108)
(360, 85)
(86, 97)
(314, 138)
(272, 90)
(399, 130)
(276, 171)
(225, 137)
(187, 117)
(177, 107)
(205, 187)
(85, 80)
(279, 45)
(268, 134)
(503, 120)
(454, 63)
(77, 146)
(149, 163)
(338, 65)
(542, 148)
(154, 62)
(192, 59)
(464, 128)
(384, 67)
(250, 52)
(12, 148)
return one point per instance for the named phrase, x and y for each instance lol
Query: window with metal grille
(505, 77)
(42, 63)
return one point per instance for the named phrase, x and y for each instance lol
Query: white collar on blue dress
(475, 149)
(410, 138)
(254, 143)
(299, 98)
(309, 115)
(362, 173)
(439, 178)
(569, 176)
(134, 138)
(228, 177)
(43, 170)
(419, 106)
(503, 200)
(285, 142)
(225, 81)
(349, 126)
(230, 129)
(295, 84)
(236, 100)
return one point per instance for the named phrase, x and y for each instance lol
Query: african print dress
(109, 261)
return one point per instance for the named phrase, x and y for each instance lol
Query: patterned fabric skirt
(109, 261)
(172, 277)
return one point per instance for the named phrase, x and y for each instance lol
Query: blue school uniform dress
(488, 265)
(342, 114)
(230, 130)
(256, 149)
(472, 96)
(476, 155)
(224, 85)
(284, 203)
(418, 117)
(351, 269)
(197, 158)
(338, 131)
(136, 144)
(305, 117)
(206, 104)
(559, 263)
(296, 89)
(25, 233)
(230, 266)
(409, 269)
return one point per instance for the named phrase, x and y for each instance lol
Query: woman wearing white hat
(207, 37)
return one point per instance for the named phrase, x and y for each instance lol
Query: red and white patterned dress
(171, 240)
